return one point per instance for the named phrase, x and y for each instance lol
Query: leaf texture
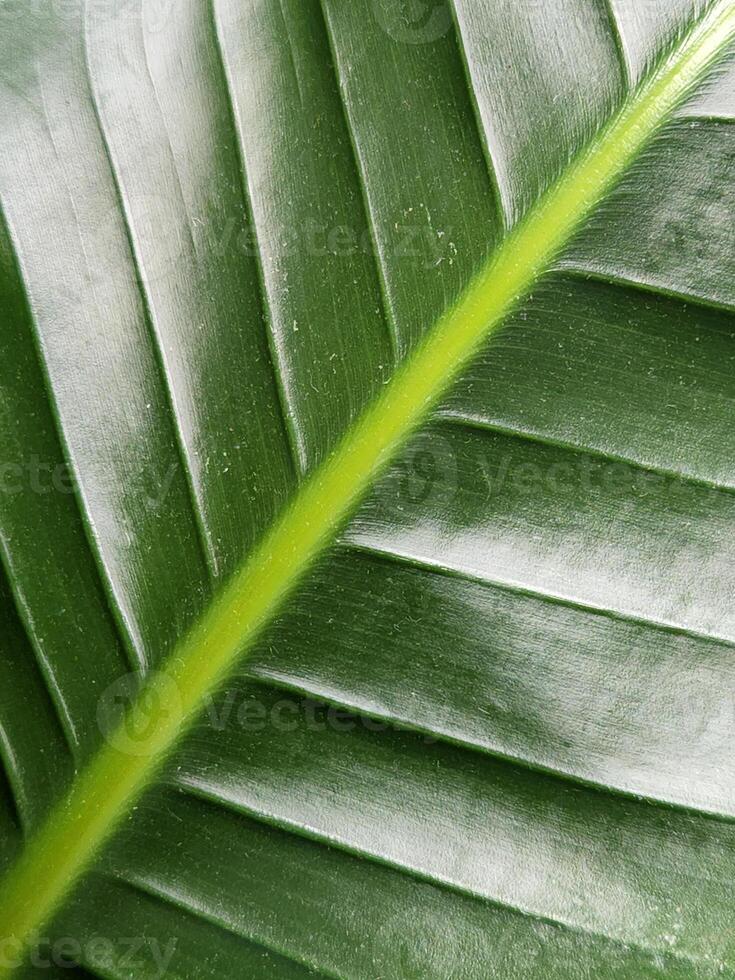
(491, 735)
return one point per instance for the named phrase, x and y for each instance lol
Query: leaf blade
(231, 624)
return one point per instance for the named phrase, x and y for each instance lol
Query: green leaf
(489, 734)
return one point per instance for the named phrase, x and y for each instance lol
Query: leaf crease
(443, 883)
(203, 535)
(298, 450)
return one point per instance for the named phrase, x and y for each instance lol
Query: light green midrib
(105, 791)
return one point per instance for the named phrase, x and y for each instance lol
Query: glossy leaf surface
(491, 736)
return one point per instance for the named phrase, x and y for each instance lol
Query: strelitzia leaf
(246, 253)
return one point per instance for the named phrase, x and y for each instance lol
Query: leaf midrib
(107, 788)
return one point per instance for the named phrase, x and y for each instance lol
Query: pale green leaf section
(104, 793)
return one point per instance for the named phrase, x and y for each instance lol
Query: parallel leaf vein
(207, 795)
(203, 533)
(294, 435)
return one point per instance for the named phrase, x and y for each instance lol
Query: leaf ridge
(294, 435)
(580, 271)
(443, 883)
(437, 568)
(204, 538)
(503, 201)
(619, 41)
(56, 697)
(10, 775)
(471, 422)
(476, 747)
(59, 706)
(389, 315)
(176, 901)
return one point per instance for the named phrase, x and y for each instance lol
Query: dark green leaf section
(610, 542)
(48, 567)
(331, 780)
(54, 966)
(389, 923)
(96, 349)
(637, 708)
(429, 192)
(580, 343)
(332, 347)
(567, 75)
(221, 225)
(36, 759)
(163, 936)
(165, 118)
(684, 236)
